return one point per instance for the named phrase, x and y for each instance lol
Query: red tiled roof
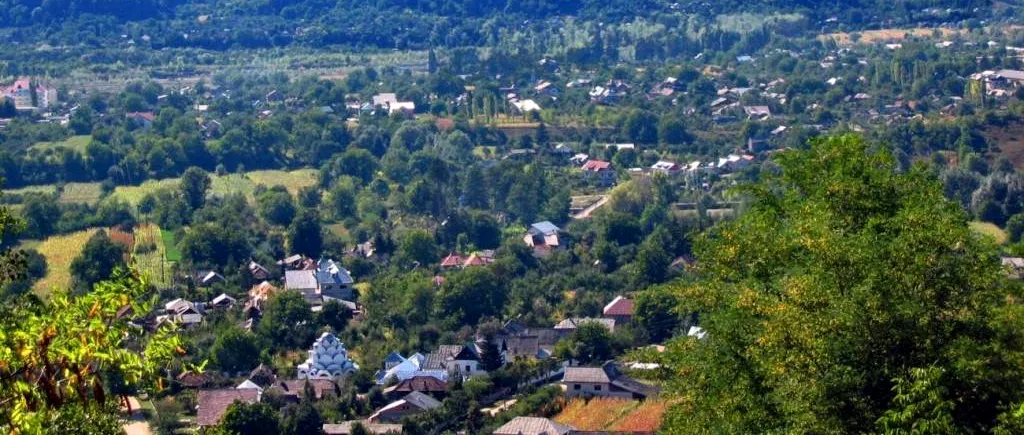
(620, 306)
(453, 260)
(148, 116)
(477, 260)
(213, 403)
(596, 165)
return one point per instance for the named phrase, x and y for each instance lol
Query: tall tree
(846, 283)
(99, 257)
(305, 235)
(234, 351)
(250, 419)
(195, 182)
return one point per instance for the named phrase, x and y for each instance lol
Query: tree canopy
(851, 298)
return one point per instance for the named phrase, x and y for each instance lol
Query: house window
(597, 388)
(576, 386)
(468, 369)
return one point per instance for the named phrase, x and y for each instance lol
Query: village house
(20, 92)
(665, 168)
(619, 309)
(604, 381)
(522, 107)
(222, 301)
(141, 119)
(293, 390)
(207, 278)
(182, 312)
(533, 426)
(428, 385)
(461, 360)
(211, 404)
(543, 237)
(757, 113)
(328, 359)
(325, 282)
(257, 271)
(599, 170)
(398, 368)
(389, 101)
(412, 404)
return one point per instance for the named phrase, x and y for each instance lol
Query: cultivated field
(76, 143)
(86, 193)
(613, 414)
(149, 255)
(60, 251)
(228, 184)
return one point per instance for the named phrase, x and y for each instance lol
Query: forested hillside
(223, 24)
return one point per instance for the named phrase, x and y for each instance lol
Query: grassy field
(60, 251)
(604, 413)
(86, 193)
(228, 184)
(76, 143)
(151, 261)
(171, 252)
(990, 230)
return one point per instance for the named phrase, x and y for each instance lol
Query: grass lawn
(228, 184)
(60, 251)
(171, 252)
(76, 143)
(991, 230)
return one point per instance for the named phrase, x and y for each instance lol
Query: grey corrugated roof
(544, 227)
(533, 426)
(299, 279)
(595, 375)
(421, 401)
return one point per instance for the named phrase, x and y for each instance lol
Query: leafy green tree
(850, 298)
(1015, 227)
(41, 215)
(672, 131)
(343, 199)
(250, 419)
(99, 258)
(656, 312)
(302, 419)
(490, 356)
(57, 354)
(277, 206)
(641, 127)
(214, 246)
(474, 188)
(417, 246)
(285, 321)
(590, 343)
(305, 235)
(335, 315)
(195, 182)
(235, 351)
(469, 295)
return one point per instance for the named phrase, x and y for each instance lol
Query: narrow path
(585, 213)
(137, 424)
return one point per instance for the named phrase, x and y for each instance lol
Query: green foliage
(250, 419)
(417, 247)
(590, 343)
(282, 321)
(235, 351)
(305, 235)
(54, 356)
(277, 206)
(849, 297)
(99, 258)
(195, 182)
(468, 295)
